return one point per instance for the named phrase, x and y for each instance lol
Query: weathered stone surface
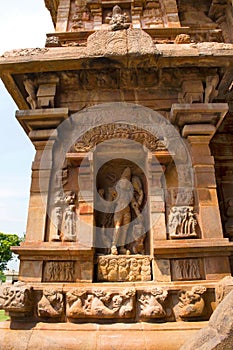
(116, 43)
(218, 335)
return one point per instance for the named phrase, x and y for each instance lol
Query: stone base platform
(68, 336)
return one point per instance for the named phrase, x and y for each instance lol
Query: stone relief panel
(182, 222)
(186, 269)
(64, 217)
(100, 303)
(151, 303)
(59, 271)
(191, 303)
(122, 269)
(51, 305)
(16, 298)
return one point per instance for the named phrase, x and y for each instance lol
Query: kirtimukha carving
(182, 222)
(59, 271)
(100, 303)
(191, 303)
(150, 303)
(51, 304)
(16, 298)
(112, 269)
(186, 269)
(117, 19)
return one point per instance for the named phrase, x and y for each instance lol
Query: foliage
(2, 277)
(3, 317)
(6, 241)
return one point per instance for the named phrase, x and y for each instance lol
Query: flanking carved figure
(63, 216)
(191, 303)
(150, 303)
(51, 304)
(182, 222)
(100, 303)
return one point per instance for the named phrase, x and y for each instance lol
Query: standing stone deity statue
(122, 214)
(70, 218)
(127, 215)
(57, 214)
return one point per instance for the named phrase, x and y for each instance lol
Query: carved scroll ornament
(118, 131)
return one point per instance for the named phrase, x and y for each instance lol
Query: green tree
(7, 241)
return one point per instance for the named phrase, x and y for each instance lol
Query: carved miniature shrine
(130, 220)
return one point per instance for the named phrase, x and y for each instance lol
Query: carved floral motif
(25, 52)
(124, 268)
(150, 303)
(100, 303)
(51, 304)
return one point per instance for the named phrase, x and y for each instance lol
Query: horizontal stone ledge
(185, 247)
(49, 249)
(96, 336)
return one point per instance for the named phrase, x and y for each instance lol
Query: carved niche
(100, 303)
(121, 217)
(113, 269)
(151, 303)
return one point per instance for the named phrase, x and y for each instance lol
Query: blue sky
(23, 24)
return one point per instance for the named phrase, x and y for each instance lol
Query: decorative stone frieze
(124, 268)
(100, 303)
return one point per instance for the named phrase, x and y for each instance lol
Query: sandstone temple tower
(130, 220)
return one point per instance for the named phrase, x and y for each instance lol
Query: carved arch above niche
(98, 134)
